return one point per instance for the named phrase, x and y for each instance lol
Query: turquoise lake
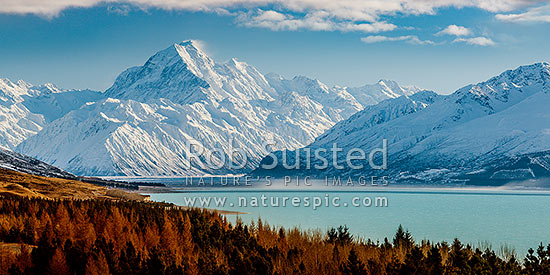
(479, 216)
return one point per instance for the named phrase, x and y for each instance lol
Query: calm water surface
(516, 218)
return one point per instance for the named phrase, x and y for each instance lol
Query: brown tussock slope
(25, 185)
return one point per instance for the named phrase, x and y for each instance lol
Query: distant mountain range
(491, 132)
(142, 125)
(494, 131)
(25, 109)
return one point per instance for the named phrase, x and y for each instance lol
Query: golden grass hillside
(20, 184)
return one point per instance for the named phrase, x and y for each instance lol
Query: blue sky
(351, 44)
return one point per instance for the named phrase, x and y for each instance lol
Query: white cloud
(270, 16)
(479, 41)
(120, 9)
(461, 32)
(367, 16)
(317, 21)
(538, 14)
(412, 39)
(355, 10)
(455, 30)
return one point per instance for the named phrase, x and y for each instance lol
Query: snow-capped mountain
(181, 96)
(495, 130)
(25, 109)
(56, 104)
(383, 89)
(383, 112)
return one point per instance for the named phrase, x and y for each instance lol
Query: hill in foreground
(33, 186)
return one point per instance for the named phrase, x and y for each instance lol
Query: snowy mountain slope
(20, 163)
(319, 92)
(380, 113)
(180, 95)
(494, 142)
(184, 74)
(383, 89)
(25, 109)
(55, 105)
(489, 130)
(16, 121)
(134, 138)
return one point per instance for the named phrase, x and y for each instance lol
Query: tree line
(39, 236)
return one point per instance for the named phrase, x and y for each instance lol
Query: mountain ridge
(25, 109)
(180, 96)
(484, 129)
